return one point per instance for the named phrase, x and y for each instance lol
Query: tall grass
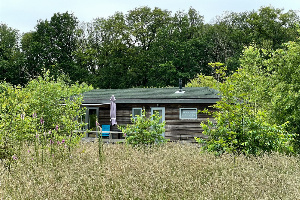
(173, 171)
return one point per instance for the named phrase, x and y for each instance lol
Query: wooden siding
(176, 128)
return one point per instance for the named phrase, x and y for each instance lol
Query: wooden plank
(183, 121)
(183, 126)
(179, 134)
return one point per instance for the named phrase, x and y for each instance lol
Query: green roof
(152, 95)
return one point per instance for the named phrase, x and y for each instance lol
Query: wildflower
(125, 135)
(56, 127)
(37, 135)
(34, 115)
(58, 142)
(28, 151)
(97, 125)
(14, 157)
(42, 121)
(51, 141)
(63, 141)
(49, 132)
(22, 116)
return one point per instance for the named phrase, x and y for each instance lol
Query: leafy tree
(270, 27)
(52, 47)
(109, 43)
(144, 25)
(279, 90)
(11, 59)
(267, 28)
(181, 43)
(136, 48)
(243, 121)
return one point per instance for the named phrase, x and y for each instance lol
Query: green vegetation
(145, 132)
(41, 114)
(172, 171)
(259, 108)
(141, 48)
(252, 58)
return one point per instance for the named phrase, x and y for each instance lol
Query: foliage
(52, 47)
(247, 120)
(237, 131)
(279, 91)
(145, 131)
(268, 28)
(11, 58)
(44, 112)
(219, 74)
(144, 47)
(202, 81)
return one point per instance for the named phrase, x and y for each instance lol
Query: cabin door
(161, 112)
(90, 118)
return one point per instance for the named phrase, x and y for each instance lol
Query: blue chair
(105, 130)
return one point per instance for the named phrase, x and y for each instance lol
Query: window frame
(163, 114)
(180, 113)
(136, 108)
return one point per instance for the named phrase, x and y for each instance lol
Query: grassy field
(174, 171)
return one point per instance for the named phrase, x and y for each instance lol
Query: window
(136, 112)
(188, 113)
(161, 113)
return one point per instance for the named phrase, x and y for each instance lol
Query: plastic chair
(105, 130)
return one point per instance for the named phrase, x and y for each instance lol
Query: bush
(42, 113)
(145, 131)
(247, 135)
(243, 124)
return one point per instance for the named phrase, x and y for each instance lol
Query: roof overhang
(99, 102)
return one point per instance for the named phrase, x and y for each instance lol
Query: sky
(24, 15)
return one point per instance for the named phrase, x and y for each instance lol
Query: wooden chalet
(178, 108)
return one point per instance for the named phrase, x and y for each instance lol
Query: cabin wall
(176, 128)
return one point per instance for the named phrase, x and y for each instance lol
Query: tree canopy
(259, 107)
(141, 48)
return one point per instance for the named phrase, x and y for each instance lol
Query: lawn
(173, 171)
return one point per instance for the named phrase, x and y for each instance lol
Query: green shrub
(242, 124)
(42, 113)
(145, 131)
(247, 135)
